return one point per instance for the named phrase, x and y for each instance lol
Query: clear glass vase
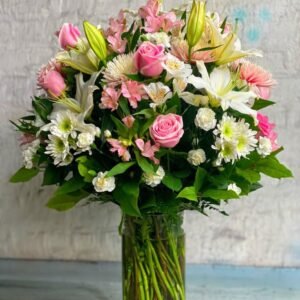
(153, 258)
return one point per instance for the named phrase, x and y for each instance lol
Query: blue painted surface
(38, 280)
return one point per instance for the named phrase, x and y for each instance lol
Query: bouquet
(157, 113)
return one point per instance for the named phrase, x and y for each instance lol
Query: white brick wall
(262, 230)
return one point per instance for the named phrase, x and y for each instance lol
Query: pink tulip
(50, 79)
(128, 121)
(167, 130)
(148, 59)
(68, 36)
(148, 150)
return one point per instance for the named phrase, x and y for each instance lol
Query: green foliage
(127, 195)
(262, 103)
(172, 182)
(43, 108)
(87, 168)
(219, 194)
(120, 169)
(53, 175)
(24, 175)
(270, 166)
(71, 186)
(63, 202)
(188, 193)
(200, 179)
(250, 175)
(144, 163)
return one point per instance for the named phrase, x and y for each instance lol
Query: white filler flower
(104, 184)
(206, 119)
(154, 179)
(85, 140)
(196, 157)
(233, 187)
(29, 153)
(159, 38)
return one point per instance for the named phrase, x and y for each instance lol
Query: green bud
(196, 23)
(96, 40)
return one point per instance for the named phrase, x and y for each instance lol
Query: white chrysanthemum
(245, 139)
(159, 38)
(29, 153)
(233, 187)
(104, 184)
(264, 146)
(196, 157)
(206, 119)
(227, 151)
(176, 68)
(154, 179)
(118, 68)
(58, 148)
(158, 93)
(227, 128)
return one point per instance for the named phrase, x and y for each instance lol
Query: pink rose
(167, 130)
(68, 36)
(148, 59)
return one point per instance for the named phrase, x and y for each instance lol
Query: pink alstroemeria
(128, 121)
(120, 149)
(110, 99)
(152, 9)
(148, 150)
(267, 130)
(260, 80)
(114, 33)
(165, 22)
(133, 91)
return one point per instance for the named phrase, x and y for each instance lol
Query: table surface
(41, 280)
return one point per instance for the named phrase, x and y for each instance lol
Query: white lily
(219, 87)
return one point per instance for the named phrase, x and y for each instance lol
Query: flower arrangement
(158, 113)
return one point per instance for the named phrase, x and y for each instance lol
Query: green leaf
(127, 195)
(96, 40)
(270, 166)
(188, 193)
(63, 202)
(143, 163)
(146, 126)
(53, 175)
(43, 107)
(262, 103)
(199, 179)
(220, 194)
(136, 77)
(172, 182)
(135, 39)
(147, 112)
(120, 168)
(250, 175)
(121, 128)
(123, 103)
(24, 175)
(73, 185)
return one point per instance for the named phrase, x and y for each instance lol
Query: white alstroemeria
(219, 87)
(159, 38)
(154, 179)
(176, 68)
(107, 134)
(104, 184)
(264, 146)
(58, 148)
(158, 93)
(29, 153)
(206, 119)
(233, 187)
(196, 157)
(246, 141)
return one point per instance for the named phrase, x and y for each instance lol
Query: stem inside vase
(153, 250)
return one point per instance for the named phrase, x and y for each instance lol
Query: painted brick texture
(262, 229)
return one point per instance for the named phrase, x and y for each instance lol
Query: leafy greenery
(24, 175)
